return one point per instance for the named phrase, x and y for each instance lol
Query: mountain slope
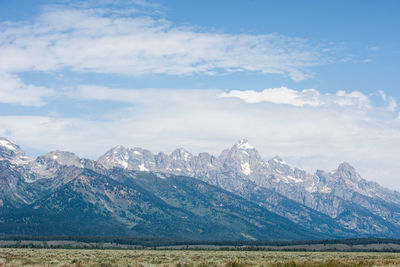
(95, 204)
(219, 206)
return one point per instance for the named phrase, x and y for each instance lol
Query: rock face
(125, 187)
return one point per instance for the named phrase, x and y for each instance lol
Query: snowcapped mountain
(60, 194)
(241, 167)
(339, 203)
(243, 161)
(12, 152)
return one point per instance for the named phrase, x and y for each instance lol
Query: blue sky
(313, 81)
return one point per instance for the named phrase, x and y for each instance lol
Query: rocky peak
(206, 162)
(115, 157)
(242, 159)
(279, 164)
(346, 171)
(345, 166)
(242, 147)
(119, 149)
(278, 160)
(140, 154)
(243, 144)
(282, 172)
(181, 154)
(6, 144)
(64, 158)
(136, 151)
(12, 152)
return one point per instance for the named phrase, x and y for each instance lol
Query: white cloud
(14, 91)
(308, 97)
(354, 98)
(281, 95)
(389, 101)
(90, 41)
(308, 136)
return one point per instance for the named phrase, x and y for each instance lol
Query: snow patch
(21, 160)
(123, 163)
(246, 168)
(294, 179)
(243, 144)
(143, 168)
(311, 188)
(185, 154)
(7, 144)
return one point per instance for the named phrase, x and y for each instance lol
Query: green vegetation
(65, 257)
(97, 242)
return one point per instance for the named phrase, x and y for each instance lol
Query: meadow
(200, 258)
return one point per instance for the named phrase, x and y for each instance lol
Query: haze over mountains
(236, 195)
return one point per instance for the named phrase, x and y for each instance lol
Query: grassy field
(80, 257)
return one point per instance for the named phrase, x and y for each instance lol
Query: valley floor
(81, 257)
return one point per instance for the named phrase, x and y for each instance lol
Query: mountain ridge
(339, 203)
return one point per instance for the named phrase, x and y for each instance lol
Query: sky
(315, 82)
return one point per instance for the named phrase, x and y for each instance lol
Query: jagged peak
(205, 155)
(345, 170)
(8, 144)
(345, 166)
(56, 154)
(243, 144)
(278, 159)
(60, 152)
(12, 152)
(118, 153)
(117, 150)
(137, 151)
(180, 150)
(63, 158)
(119, 147)
(181, 153)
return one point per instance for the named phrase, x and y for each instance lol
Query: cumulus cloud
(14, 91)
(90, 40)
(305, 135)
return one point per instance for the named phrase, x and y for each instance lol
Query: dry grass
(65, 257)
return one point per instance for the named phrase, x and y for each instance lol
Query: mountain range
(234, 196)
